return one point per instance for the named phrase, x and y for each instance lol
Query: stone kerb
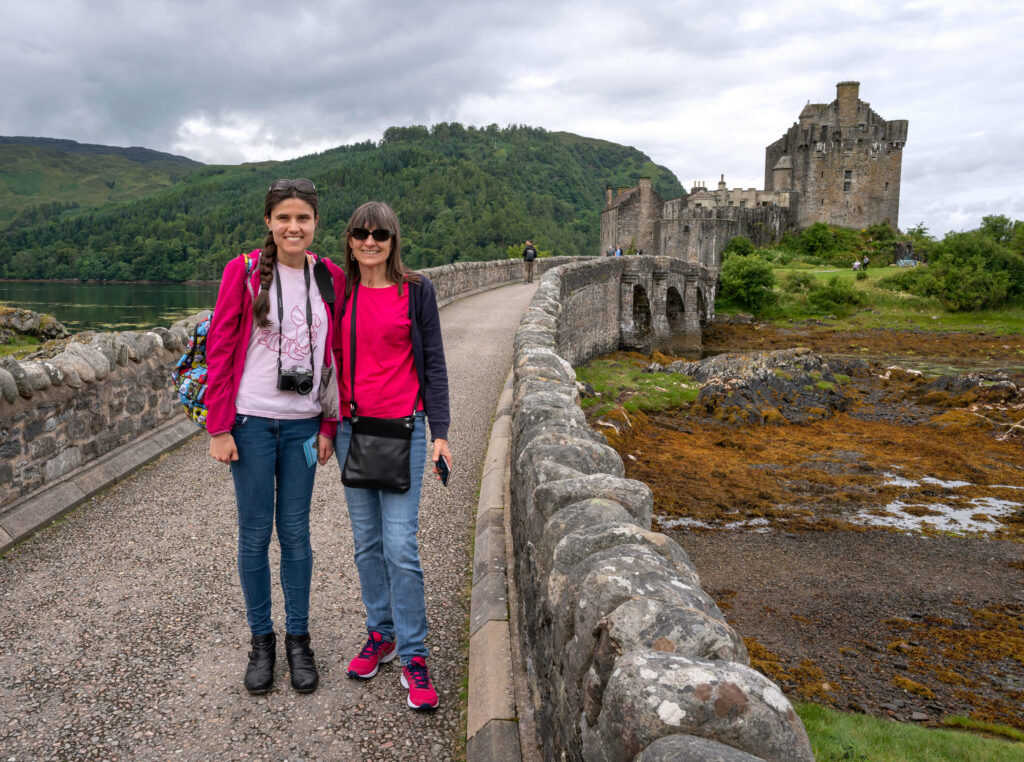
(631, 659)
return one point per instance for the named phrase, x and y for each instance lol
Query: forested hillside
(40, 177)
(461, 193)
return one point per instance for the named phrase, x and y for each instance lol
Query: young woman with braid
(272, 393)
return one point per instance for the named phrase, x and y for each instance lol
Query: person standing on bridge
(399, 368)
(273, 401)
(529, 255)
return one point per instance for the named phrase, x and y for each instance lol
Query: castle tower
(843, 161)
(847, 96)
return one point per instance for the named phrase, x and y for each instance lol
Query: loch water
(110, 306)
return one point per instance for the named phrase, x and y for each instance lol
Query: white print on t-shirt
(294, 341)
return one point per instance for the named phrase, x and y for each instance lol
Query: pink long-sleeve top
(228, 342)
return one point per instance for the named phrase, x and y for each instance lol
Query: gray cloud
(702, 88)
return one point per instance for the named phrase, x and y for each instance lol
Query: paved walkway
(122, 630)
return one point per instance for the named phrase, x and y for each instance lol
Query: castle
(840, 163)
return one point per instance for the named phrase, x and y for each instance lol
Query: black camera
(298, 380)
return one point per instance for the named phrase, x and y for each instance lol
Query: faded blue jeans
(271, 461)
(384, 527)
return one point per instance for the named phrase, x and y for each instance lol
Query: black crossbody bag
(378, 450)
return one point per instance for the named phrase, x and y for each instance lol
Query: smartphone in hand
(444, 469)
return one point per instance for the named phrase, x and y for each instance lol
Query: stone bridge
(589, 635)
(663, 303)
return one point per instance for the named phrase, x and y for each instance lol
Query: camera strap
(280, 316)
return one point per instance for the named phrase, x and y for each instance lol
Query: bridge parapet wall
(629, 658)
(83, 397)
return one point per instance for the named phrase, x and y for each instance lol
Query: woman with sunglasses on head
(400, 368)
(272, 402)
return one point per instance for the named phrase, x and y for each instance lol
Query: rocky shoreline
(861, 524)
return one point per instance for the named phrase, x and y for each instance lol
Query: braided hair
(268, 254)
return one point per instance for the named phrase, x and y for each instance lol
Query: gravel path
(122, 629)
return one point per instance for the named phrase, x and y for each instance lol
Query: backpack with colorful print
(189, 375)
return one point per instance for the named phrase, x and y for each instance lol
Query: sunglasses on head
(380, 235)
(302, 185)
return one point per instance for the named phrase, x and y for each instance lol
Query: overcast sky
(701, 87)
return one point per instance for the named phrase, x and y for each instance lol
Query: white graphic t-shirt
(258, 393)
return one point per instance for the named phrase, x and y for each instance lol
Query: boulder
(21, 380)
(681, 748)
(651, 695)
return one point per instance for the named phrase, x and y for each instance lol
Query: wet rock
(29, 323)
(786, 386)
(651, 695)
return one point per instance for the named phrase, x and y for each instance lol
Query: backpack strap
(250, 263)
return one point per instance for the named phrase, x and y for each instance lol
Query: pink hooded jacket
(228, 341)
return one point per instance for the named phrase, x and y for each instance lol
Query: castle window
(743, 203)
(887, 186)
(848, 174)
(846, 185)
(730, 203)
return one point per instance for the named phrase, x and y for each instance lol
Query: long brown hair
(376, 215)
(268, 254)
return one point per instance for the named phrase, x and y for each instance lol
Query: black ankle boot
(305, 678)
(259, 675)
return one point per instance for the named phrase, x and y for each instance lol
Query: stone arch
(675, 309)
(641, 316)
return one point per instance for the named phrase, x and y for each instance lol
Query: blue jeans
(270, 455)
(384, 527)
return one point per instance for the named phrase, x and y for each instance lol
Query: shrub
(835, 297)
(748, 282)
(817, 241)
(740, 246)
(797, 282)
(861, 275)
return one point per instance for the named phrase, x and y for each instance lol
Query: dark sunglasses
(302, 185)
(380, 235)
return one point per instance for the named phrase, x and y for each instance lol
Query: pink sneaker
(377, 651)
(421, 691)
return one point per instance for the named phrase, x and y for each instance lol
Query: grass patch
(880, 308)
(862, 738)
(985, 728)
(618, 379)
(20, 345)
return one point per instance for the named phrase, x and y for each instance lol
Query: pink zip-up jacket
(228, 341)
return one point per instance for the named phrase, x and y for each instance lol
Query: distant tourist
(395, 367)
(856, 264)
(273, 412)
(529, 255)
(864, 262)
(618, 251)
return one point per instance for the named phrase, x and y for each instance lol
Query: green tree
(748, 282)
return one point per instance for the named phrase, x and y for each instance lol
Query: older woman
(400, 368)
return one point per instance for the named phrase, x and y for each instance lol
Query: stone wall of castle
(846, 163)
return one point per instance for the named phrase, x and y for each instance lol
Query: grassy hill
(461, 193)
(42, 176)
